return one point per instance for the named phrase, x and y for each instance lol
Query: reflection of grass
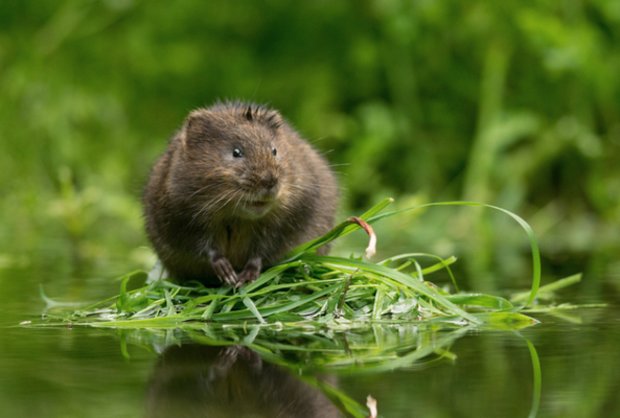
(310, 353)
(316, 291)
(315, 314)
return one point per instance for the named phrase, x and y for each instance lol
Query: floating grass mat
(310, 290)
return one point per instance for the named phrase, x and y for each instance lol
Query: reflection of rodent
(236, 189)
(202, 381)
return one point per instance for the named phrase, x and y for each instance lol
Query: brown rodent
(236, 190)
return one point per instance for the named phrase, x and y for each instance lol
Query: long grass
(324, 313)
(311, 290)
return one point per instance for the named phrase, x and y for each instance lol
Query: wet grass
(314, 291)
(312, 314)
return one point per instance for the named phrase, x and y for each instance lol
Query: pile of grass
(310, 290)
(316, 313)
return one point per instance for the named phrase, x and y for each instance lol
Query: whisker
(214, 206)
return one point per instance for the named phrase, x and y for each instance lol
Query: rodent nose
(269, 182)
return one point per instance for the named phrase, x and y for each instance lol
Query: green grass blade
(536, 380)
(534, 249)
(397, 276)
(480, 299)
(252, 307)
(340, 230)
(343, 401)
(507, 321)
(550, 288)
(271, 310)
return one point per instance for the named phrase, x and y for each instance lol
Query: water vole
(236, 189)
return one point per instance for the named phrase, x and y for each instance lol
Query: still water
(86, 372)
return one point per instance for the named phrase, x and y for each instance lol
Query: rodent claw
(247, 275)
(224, 270)
(231, 280)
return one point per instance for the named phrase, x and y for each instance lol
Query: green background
(511, 103)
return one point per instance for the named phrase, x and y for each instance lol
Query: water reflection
(411, 371)
(197, 381)
(258, 372)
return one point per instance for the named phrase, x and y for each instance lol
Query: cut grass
(316, 313)
(307, 289)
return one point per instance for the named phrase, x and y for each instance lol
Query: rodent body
(236, 190)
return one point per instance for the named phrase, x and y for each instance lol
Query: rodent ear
(270, 118)
(273, 119)
(197, 126)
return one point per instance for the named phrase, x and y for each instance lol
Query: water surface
(87, 372)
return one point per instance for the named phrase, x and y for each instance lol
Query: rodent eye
(237, 153)
(274, 151)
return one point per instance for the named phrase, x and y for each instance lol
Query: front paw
(225, 271)
(247, 276)
(250, 272)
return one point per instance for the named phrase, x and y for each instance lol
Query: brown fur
(214, 214)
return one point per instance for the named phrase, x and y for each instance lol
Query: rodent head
(234, 159)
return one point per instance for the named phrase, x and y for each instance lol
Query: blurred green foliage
(509, 103)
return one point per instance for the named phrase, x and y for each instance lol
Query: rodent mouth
(257, 208)
(260, 204)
